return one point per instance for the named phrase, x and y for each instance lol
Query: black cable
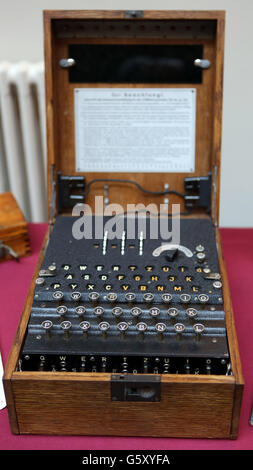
(112, 180)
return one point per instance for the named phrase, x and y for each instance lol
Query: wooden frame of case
(70, 403)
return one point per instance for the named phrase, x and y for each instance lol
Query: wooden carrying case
(13, 229)
(70, 403)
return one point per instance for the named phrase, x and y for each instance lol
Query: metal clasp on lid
(133, 13)
(202, 63)
(67, 63)
(135, 387)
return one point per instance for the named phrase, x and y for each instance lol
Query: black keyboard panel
(101, 303)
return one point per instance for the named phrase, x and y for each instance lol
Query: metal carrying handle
(168, 246)
(7, 250)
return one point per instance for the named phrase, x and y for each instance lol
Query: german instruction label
(135, 130)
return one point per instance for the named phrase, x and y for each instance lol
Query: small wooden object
(80, 403)
(13, 229)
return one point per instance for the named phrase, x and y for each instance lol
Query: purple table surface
(15, 278)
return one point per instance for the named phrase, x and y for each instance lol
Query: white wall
(21, 38)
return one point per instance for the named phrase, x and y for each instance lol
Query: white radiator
(23, 137)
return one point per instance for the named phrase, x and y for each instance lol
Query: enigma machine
(128, 326)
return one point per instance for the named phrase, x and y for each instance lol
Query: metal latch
(7, 250)
(202, 63)
(134, 387)
(199, 192)
(67, 63)
(133, 13)
(70, 191)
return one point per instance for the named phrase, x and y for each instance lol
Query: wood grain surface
(60, 112)
(80, 403)
(13, 226)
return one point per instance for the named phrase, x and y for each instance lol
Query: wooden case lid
(63, 29)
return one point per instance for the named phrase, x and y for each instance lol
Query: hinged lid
(134, 96)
